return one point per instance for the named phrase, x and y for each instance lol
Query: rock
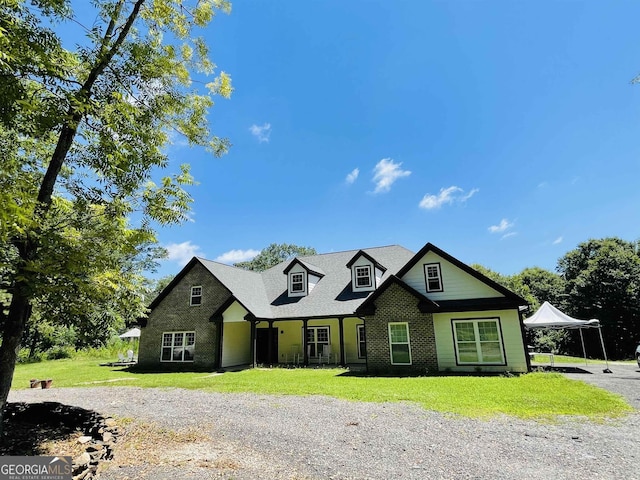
(82, 460)
(107, 437)
(84, 439)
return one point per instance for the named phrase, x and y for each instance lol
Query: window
(297, 283)
(362, 344)
(478, 341)
(178, 346)
(433, 276)
(196, 296)
(399, 344)
(363, 276)
(316, 338)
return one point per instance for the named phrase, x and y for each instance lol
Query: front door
(262, 345)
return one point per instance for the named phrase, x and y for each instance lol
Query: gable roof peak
(362, 253)
(310, 268)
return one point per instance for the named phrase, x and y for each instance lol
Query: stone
(82, 460)
(84, 439)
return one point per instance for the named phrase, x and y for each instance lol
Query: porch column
(341, 330)
(305, 350)
(253, 342)
(220, 325)
(270, 341)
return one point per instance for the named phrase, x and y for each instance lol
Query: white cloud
(386, 172)
(235, 256)
(262, 133)
(182, 252)
(353, 176)
(507, 235)
(447, 195)
(558, 241)
(503, 226)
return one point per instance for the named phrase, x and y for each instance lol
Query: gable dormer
(301, 277)
(366, 272)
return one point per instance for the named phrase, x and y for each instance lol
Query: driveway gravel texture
(252, 436)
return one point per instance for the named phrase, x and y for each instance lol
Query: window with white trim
(316, 338)
(399, 345)
(363, 276)
(362, 343)
(297, 282)
(433, 277)
(178, 346)
(478, 341)
(196, 296)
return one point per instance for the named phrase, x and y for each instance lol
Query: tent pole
(584, 351)
(606, 360)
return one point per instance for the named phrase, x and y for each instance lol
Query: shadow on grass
(563, 369)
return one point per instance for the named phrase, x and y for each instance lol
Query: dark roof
(265, 294)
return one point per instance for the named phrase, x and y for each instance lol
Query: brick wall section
(398, 305)
(174, 314)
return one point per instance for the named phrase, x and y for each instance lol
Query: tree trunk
(14, 326)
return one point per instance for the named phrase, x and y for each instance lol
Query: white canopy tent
(550, 317)
(133, 333)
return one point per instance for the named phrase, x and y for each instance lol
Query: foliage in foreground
(535, 395)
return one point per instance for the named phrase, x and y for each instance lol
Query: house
(386, 309)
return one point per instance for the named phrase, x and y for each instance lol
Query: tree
(513, 283)
(603, 282)
(275, 254)
(82, 137)
(544, 285)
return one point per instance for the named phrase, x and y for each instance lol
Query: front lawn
(535, 395)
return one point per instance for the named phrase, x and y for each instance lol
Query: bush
(23, 356)
(58, 352)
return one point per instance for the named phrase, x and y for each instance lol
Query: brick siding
(174, 314)
(398, 305)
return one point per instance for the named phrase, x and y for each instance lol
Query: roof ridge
(353, 250)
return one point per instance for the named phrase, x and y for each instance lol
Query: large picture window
(178, 346)
(362, 344)
(316, 338)
(478, 341)
(399, 345)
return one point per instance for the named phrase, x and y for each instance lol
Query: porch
(312, 342)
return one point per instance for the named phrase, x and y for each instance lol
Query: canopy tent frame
(549, 317)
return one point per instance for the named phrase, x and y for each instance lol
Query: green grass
(535, 395)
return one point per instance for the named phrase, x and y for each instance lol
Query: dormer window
(363, 276)
(297, 282)
(196, 296)
(302, 277)
(366, 272)
(433, 277)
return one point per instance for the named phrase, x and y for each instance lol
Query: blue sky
(503, 132)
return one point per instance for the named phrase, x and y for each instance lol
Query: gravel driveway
(249, 436)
